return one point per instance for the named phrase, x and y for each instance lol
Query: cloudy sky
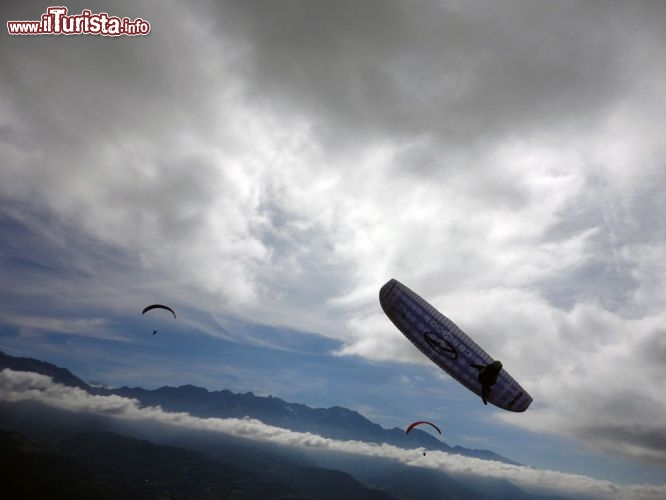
(264, 167)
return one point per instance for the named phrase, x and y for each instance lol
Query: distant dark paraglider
(450, 348)
(158, 306)
(420, 422)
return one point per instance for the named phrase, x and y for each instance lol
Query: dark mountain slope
(59, 375)
(28, 470)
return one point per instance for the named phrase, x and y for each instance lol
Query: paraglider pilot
(488, 376)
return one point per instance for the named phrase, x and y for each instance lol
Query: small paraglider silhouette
(158, 306)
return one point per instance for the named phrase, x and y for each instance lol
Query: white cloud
(617, 406)
(40, 325)
(26, 386)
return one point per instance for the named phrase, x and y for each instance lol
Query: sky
(265, 167)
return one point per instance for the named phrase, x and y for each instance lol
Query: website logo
(56, 21)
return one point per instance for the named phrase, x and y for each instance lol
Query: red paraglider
(411, 426)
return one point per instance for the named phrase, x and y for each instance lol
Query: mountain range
(335, 422)
(82, 455)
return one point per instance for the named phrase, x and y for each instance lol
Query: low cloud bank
(18, 386)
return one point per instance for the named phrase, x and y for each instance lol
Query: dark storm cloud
(456, 72)
(607, 397)
(617, 438)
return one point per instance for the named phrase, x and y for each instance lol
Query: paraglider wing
(158, 306)
(412, 425)
(448, 346)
